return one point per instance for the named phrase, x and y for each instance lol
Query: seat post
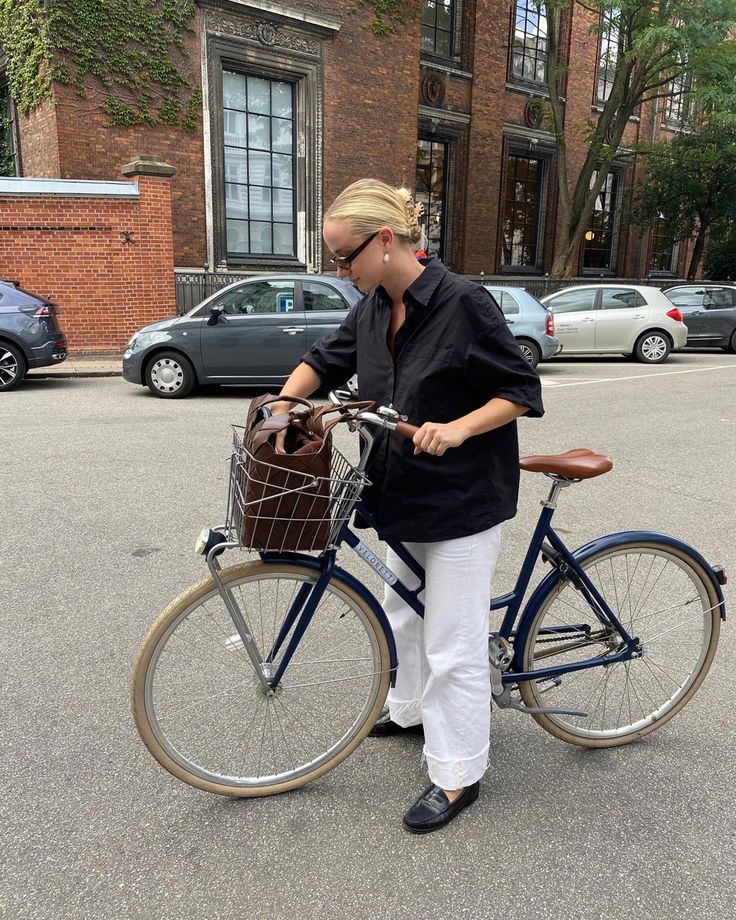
(558, 483)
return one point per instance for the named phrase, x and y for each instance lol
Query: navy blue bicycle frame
(307, 599)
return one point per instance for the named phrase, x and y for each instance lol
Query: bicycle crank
(502, 698)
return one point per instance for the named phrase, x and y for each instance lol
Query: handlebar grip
(406, 430)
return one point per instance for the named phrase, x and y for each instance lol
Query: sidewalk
(83, 366)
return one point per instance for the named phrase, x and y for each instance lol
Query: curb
(92, 372)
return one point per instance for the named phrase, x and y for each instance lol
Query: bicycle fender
(309, 562)
(624, 538)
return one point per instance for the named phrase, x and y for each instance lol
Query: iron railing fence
(192, 287)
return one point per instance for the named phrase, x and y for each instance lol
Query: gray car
(251, 332)
(30, 335)
(531, 323)
(709, 312)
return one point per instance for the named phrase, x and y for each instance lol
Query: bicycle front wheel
(202, 711)
(663, 597)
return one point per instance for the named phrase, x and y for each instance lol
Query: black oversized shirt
(453, 354)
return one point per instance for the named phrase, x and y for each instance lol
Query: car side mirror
(214, 316)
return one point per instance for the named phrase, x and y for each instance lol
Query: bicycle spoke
(211, 711)
(649, 586)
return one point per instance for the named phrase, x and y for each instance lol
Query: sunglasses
(346, 261)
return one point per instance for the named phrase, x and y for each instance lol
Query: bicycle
(270, 672)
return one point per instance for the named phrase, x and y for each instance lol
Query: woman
(437, 347)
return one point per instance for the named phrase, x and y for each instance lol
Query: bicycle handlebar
(382, 417)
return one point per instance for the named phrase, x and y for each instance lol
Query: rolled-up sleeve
(495, 364)
(334, 356)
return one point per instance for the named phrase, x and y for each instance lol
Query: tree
(691, 180)
(719, 262)
(654, 46)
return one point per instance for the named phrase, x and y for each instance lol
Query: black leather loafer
(434, 810)
(384, 726)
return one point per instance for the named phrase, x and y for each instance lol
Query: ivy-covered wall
(7, 161)
(125, 57)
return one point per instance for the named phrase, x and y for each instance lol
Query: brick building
(300, 100)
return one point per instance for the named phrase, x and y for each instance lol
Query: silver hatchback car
(630, 319)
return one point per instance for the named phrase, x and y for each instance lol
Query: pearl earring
(386, 257)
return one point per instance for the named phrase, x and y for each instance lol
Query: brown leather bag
(286, 497)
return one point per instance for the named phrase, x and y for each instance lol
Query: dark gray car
(30, 335)
(251, 332)
(709, 312)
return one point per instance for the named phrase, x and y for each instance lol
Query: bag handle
(361, 405)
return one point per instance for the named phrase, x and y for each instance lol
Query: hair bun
(413, 213)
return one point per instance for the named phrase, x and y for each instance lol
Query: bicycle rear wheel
(663, 597)
(202, 712)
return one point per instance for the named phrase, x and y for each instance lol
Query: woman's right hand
(280, 408)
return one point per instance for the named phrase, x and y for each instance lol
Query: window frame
(639, 299)
(445, 234)
(306, 306)
(550, 304)
(655, 237)
(602, 68)
(616, 176)
(679, 107)
(452, 54)
(513, 76)
(246, 151)
(541, 190)
(304, 71)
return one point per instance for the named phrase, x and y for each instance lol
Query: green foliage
(25, 41)
(7, 163)
(692, 181)
(720, 254)
(125, 56)
(388, 15)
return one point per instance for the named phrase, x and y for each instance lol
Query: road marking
(649, 376)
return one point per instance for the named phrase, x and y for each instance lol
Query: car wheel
(652, 348)
(169, 375)
(12, 366)
(732, 343)
(531, 351)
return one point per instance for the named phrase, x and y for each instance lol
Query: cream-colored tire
(200, 707)
(663, 597)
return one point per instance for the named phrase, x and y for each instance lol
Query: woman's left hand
(435, 438)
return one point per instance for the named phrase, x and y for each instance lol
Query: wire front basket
(276, 509)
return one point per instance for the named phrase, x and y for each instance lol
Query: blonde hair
(369, 204)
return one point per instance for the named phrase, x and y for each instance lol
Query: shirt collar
(423, 287)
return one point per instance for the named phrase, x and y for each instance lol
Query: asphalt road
(104, 489)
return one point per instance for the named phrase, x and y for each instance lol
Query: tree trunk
(697, 252)
(564, 264)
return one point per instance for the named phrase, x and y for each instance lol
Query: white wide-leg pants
(443, 677)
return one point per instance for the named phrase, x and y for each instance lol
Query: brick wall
(73, 249)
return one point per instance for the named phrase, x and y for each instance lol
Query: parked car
(251, 332)
(531, 323)
(30, 335)
(709, 312)
(628, 319)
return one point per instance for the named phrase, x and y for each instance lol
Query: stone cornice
(278, 13)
